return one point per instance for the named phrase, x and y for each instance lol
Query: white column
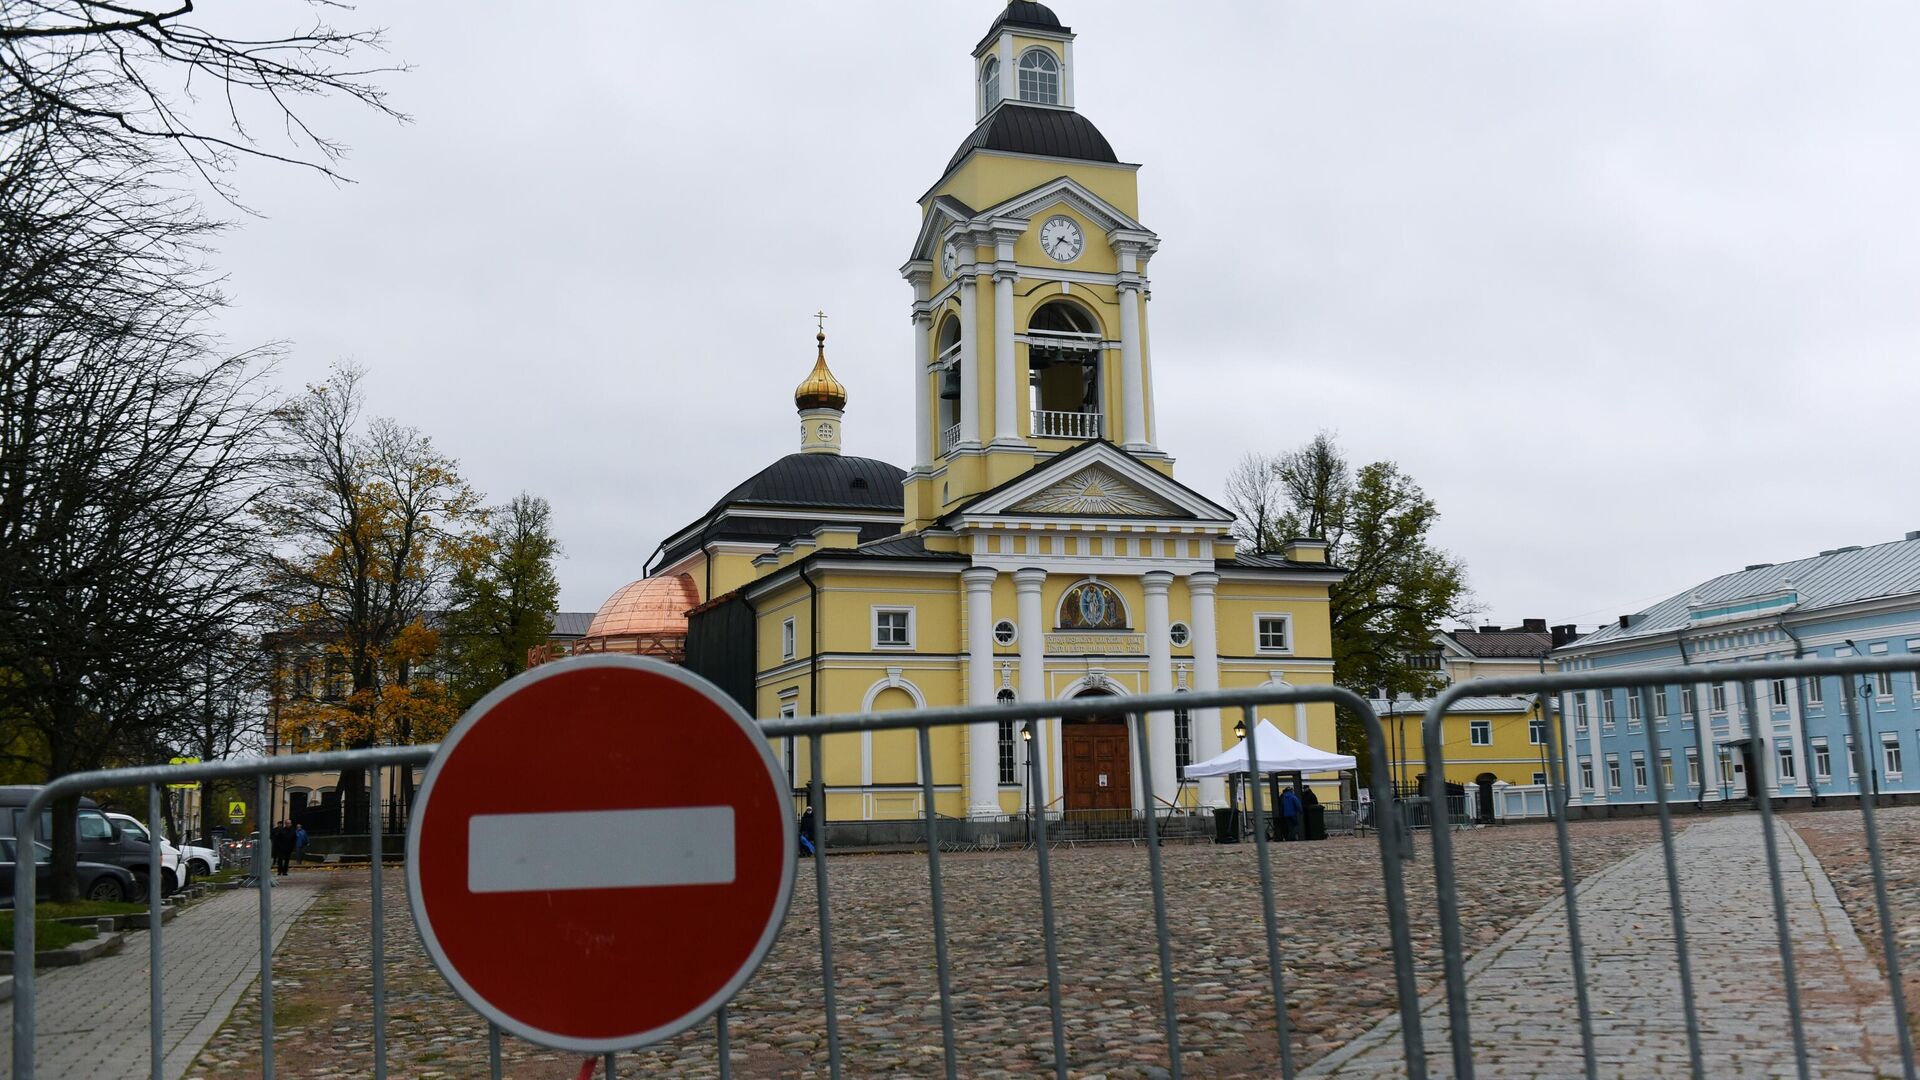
(1166, 776)
(1593, 743)
(1033, 655)
(1009, 84)
(970, 396)
(1206, 676)
(1006, 428)
(983, 739)
(1797, 738)
(1133, 386)
(924, 435)
(1703, 731)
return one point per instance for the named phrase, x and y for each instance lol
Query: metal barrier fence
(1644, 682)
(1394, 839)
(811, 731)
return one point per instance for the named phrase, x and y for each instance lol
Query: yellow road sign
(191, 784)
(236, 812)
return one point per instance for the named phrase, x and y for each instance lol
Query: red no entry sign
(601, 853)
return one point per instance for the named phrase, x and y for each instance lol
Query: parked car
(202, 859)
(98, 881)
(97, 837)
(172, 860)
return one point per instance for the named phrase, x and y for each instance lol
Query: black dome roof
(822, 480)
(1024, 129)
(1025, 14)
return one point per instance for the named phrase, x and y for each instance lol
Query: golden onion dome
(820, 390)
(650, 606)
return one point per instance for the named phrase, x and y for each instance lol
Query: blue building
(1704, 738)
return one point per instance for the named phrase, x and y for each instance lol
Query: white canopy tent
(1278, 754)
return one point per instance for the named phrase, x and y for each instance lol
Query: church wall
(987, 179)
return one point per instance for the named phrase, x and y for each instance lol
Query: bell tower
(1029, 278)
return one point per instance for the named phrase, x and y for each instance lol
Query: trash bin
(1316, 821)
(1226, 826)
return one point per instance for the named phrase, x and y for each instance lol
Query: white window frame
(1689, 702)
(1012, 638)
(1786, 769)
(989, 84)
(1822, 760)
(1613, 772)
(1639, 771)
(1816, 695)
(1580, 720)
(1480, 733)
(1693, 767)
(1883, 686)
(1633, 710)
(874, 627)
(1021, 70)
(1890, 757)
(1853, 761)
(1286, 624)
(1539, 779)
(1661, 712)
(1181, 635)
(1536, 731)
(1607, 711)
(1717, 697)
(1182, 739)
(1586, 774)
(1666, 768)
(788, 639)
(1779, 693)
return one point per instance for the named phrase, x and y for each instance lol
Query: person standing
(1290, 814)
(300, 842)
(282, 839)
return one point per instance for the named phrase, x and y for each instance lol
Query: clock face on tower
(1060, 238)
(950, 260)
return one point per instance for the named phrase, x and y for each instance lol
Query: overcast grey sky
(1630, 287)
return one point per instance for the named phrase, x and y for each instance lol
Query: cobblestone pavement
(1334, 939)
(92, 1019)
(1525, 1021)
(1839, 840)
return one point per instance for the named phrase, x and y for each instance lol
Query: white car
(201, 861)
(171, 858)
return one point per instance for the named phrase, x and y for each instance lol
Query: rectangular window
(1717, 696)
(892, 628)
(1633, 708)
(1606, 712)
(1779, 693)
(1270, 633)
(1890, 754)
(1639, 770)
(1540, 779)
(1853, 761)
(1814, 693)
(1786, 762)
(1883, 685)
(1666, 768)
(1009, 771)
(1613, 773)
(1586, 774)
(1822, 761)
(786, 640)
(1580, 712)
(1537, 731)
(1480, 732)
(1693, 767)
(1689, 702)
(1660, 712)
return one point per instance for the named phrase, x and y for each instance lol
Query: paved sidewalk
(92, 1019)
(1526, 1022)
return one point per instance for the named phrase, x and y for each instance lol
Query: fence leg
(263, 817)
(1168, 1002)
(1036, 779)
(1280, 1025)
(379, 928)
(1889, 947)
(1447, 897)
(726, 1045)
(816, 793)
(1674, 900)
(156, 1013)
(1556, 767)
(942, 967)
(493, 1050)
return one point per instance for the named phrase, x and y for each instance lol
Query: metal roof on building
(1843, 576)
(1490, 704)
(1502, 644)
(571, 624)
(1025, 129)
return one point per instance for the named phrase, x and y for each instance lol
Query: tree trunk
(353, 801)
(66, 886)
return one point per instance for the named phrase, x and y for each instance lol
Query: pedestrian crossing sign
(236, 812)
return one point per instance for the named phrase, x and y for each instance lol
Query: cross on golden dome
(820, 390)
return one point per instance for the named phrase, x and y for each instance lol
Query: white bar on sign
(600, 849)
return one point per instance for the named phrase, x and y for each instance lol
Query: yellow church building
(1038, 547)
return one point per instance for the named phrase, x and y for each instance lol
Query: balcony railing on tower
(1048, 424)
(949, 439)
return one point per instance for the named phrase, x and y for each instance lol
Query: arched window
(1039, 77)
(1008, 769)
(1182, 739)
(948, 374)
(1063, 371)
(989, 84)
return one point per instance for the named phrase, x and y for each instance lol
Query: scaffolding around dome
(647, 617)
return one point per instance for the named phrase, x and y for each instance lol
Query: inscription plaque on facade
(1096, 644)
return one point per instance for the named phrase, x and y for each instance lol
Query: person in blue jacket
(1290, 815)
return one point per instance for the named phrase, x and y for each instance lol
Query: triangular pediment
(944, 212)
(1098, 479)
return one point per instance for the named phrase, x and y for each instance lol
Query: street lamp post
(1240, 733)
(1868, 751)
(1026, 741)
